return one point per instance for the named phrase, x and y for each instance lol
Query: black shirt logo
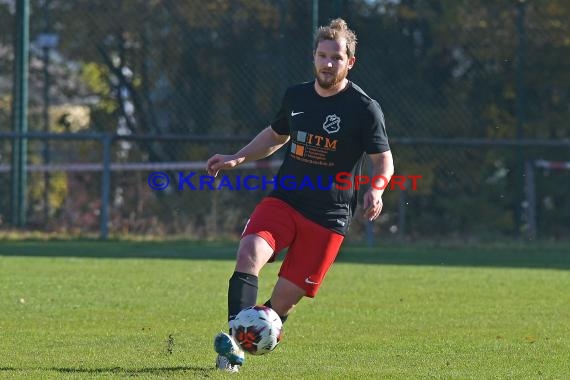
(332, 124)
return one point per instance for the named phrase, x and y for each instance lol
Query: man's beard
(331, 82)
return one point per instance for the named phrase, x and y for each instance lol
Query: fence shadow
(516, 255)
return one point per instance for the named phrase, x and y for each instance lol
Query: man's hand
(372, 204)
(220, 161)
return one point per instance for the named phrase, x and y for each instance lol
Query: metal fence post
(520, 113)
(402, 202)
(106, 140)
(20, 114)
(46, 41)
(370, 224)
(530, 208)
(314, 19)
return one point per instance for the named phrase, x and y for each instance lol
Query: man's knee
(253, 253)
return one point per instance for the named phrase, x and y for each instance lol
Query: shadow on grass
(201, 371)
(517, 255)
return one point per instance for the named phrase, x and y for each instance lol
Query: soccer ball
(257, 329)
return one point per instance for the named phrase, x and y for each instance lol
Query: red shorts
(312, 247)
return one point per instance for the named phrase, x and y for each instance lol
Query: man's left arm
(382, 171)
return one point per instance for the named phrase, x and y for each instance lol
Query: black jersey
(329, 135)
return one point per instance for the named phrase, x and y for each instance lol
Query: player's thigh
(269, 230)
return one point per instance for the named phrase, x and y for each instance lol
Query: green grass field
(88, 309)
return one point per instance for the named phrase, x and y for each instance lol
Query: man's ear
(351, 62)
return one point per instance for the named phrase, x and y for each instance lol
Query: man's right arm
(262, 145)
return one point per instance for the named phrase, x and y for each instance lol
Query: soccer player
(329, 125)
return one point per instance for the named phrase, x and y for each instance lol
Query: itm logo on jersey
(332, 124)
(308, 143)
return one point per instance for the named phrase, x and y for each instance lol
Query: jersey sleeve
(374, 134)
(280, 123)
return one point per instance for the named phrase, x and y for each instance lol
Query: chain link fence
(454, 82)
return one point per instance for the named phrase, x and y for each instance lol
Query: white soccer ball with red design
(257, 329)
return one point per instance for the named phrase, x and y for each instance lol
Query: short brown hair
(337, 28)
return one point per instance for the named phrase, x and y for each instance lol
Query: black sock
(283, 317)
(242, 293)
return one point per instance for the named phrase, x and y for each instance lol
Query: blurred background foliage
(473, 69)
